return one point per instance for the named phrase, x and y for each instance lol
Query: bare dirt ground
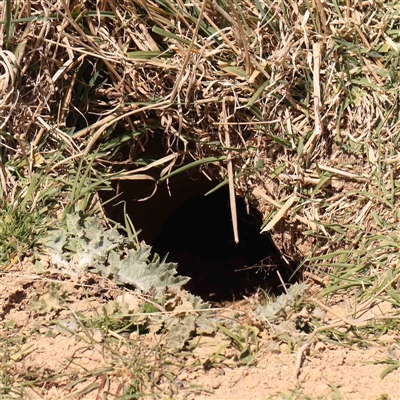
(47, 355)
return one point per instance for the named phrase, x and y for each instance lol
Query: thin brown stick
(232, 196)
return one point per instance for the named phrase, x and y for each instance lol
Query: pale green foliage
(186, 317)
(184, 325)
(135, 269)
(83, 245)
(283, 305)
(50, 301)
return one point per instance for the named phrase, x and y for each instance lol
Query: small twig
(329, 309)
(308, 147)
(282, 282)
(281, 213)
(321, 281)
(300, 357)
(231, 183)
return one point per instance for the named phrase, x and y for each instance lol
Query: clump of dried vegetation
(294, 103)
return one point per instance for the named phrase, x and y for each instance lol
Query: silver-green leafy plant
(85, 245)
(284, 304)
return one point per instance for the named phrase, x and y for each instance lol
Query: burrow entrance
(195, 231)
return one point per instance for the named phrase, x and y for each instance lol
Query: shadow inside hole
(199, 237)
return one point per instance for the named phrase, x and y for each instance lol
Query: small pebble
(320, 347)
(216, 383)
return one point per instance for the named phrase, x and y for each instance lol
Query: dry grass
(296, 101)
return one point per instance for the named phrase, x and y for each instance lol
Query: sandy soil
(33, 347)
(328, 369)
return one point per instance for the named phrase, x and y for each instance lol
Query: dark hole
(196, 232)
(199, 237)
